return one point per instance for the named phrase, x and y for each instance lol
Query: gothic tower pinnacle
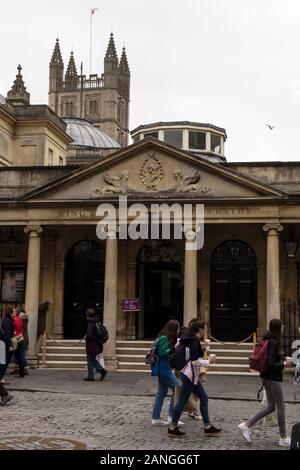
(56, 69)
(111, 64)
(71, 77)
(18, 96)
(124, 75)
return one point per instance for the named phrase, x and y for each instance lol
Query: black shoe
(212, 431)
(6, 399)
(103, 374)
(175, 432)
(89, 380)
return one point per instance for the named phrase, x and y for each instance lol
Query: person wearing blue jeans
(165, 343)
(187, 388)
(190, 379)
(162, 391)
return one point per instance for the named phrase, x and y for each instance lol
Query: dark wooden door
(233, 296)
(161, 297)
(84, 286)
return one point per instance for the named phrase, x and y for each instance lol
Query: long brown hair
(170, 330)
(195, 326)
(275, 327)
(8, 312)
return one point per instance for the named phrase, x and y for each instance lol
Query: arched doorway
(158, 286)
(84, 285)
(233, 291)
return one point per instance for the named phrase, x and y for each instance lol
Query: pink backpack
(258, 359)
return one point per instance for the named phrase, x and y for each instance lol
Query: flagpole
(91, 40)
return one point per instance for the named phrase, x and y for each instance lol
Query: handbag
(202, 374)
(17, 341)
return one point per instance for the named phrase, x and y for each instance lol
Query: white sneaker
(194, 415)
(159, 422)
(245, 431)
(180, 423)
(286, 442)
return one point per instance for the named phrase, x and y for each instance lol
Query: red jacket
(19, 327)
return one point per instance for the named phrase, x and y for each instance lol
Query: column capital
(33, 230)
(276, 226)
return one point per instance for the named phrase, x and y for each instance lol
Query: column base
(111, 364)
(33, 362)
(58, 332)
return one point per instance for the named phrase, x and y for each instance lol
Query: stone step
(66, 365)
(234, 346)
(218, 352)
(64, 351)
(64, 357)
(222, 373)
(69, 354)
(134, 344)
(213, 367)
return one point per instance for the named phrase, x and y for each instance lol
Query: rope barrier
(222, 342)
(64, 344)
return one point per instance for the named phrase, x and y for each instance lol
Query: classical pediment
(152, 168)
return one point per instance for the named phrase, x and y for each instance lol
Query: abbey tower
(102, 99)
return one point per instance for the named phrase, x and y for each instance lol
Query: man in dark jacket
(94, 346)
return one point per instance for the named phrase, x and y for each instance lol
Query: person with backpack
(192, 405)
(268, 361)
(96, 336)
(188, 357)
(164, 345)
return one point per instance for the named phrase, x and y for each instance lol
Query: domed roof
(84, 134)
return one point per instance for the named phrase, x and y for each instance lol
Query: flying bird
(270, 127)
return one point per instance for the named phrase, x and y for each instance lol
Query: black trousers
(3, 391)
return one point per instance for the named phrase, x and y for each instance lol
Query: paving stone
(67, 421)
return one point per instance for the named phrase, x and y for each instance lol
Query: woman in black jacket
(272, 378)
(189, 376)
(7, 329)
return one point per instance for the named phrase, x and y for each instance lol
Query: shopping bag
(100, 359)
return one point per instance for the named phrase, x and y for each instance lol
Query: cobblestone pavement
(60, 421)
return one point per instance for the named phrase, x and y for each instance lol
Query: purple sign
(131, 305)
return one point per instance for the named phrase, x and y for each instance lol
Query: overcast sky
(233, 63)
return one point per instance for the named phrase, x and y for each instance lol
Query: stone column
(33, 285)
(273, 272)
(58, 320)
(48, 276)
(110, 299)
(190, 284)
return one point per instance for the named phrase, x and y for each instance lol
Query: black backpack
(101, 333)
(180, 357)
(295, 438)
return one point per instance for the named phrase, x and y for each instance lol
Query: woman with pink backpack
(272, 376)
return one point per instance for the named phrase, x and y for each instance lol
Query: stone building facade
(242, 272)
(30, 135)
(102, 99)
(49, 211)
